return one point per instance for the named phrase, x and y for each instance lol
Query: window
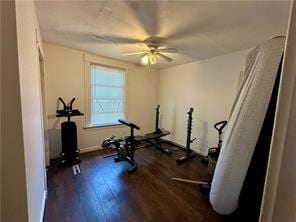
(107, 93)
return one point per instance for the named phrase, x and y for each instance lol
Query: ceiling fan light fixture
(152, 59)
(148, 59)
(145, 60)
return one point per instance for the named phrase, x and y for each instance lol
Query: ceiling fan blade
(146, 13)
(104, 39)
(117, 39)
(143, 46)
(133, 53)
(166, 58)
(169, 50)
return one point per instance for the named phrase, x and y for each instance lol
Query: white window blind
(107, 95)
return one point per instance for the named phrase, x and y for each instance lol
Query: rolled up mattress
(245, 124)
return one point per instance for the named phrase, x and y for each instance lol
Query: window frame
(88, 96)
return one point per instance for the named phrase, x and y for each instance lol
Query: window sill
(102, 126)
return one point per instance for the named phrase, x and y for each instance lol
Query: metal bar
(110, 155)
(190, 181)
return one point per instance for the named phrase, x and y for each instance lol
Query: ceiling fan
(149, 48)
(151, 52)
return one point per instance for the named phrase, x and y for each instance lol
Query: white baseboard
(94, 148)
(194, 149)
(43, 206)
(199, 152)
(90, 149)
(82, 150)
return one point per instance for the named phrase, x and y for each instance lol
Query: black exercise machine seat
(152, 136)
(74, 112)
(129, 124)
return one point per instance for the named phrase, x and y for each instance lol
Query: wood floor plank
(106, 192)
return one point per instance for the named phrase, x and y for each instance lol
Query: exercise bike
(213, 153)
(211, 160)
(124, 147)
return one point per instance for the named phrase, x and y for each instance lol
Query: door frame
(43, 107)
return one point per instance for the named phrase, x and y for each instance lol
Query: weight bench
(126, 147)
(154, 139)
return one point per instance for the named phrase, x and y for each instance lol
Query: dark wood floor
(105, 192)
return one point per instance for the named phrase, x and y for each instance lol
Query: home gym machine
(70, 151)
(124, 148)
(189, 153)
(154, 138)
(211, 160)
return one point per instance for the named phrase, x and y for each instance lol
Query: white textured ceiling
(197, 29)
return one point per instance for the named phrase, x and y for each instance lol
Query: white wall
(64, 71)
(209, 86)
(28, 56)
(13, 176)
